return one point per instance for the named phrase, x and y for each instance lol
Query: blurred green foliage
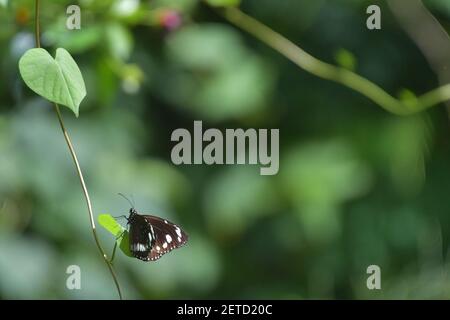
(357, 186)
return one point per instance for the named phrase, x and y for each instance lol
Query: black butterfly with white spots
(151, 237)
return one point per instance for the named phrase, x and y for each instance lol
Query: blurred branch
(77, 165)
(330, 72)
(427, 33)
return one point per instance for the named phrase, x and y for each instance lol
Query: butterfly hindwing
(151, 237)
(168, 236)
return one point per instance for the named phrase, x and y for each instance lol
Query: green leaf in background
(121, 234)
(224, 91)
(58, 80)
(74, 42)
(223, 3)
(119, 40)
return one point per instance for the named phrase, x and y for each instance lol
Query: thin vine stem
(330, 72)
(37, 27)
(86, 195)
(77, 166)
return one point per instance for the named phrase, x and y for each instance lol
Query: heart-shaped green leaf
(121, 234)
(58, 80)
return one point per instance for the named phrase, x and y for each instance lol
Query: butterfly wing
(167, 236)
(141, 237)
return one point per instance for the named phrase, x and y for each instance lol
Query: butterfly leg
(113, 254)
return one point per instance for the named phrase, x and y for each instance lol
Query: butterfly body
(151, 237)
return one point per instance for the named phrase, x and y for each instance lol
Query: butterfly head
(132, 214)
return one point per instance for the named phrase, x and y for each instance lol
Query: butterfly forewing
(141, 238)
(151, 237)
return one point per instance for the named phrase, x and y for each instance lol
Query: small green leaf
(121, 234)
(408, 97)
(58, 80)
(223, 3)
(110, 224)
(346, 59)
(124, 244)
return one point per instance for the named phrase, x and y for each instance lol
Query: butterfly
(151, 237)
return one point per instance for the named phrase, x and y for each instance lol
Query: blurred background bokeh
(357, 186)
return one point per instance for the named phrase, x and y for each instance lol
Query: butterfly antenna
(131, 203)
(132, 199)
